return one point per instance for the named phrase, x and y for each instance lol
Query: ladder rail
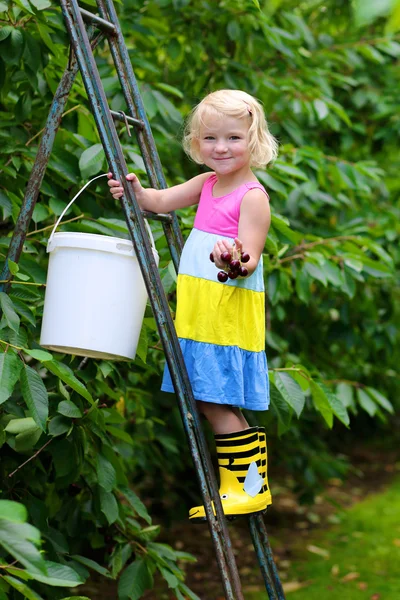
(144, 137)
(157, 297)
(265, 557)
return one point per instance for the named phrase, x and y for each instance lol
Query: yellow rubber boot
(241, 482)
(265, 492)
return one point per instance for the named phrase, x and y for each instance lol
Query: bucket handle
(73, 200)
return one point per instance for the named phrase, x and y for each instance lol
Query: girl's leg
(223, 418)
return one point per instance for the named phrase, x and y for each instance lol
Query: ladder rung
(121, 116)
(102, 24)
(157, 217)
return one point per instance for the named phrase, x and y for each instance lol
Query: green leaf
(282, 410)
(119, 558)
(22, 588)
(5, 203)
(13, 511)
(16, 539)
(379, 399)
(279, 224)
(59, 425)
(165, 87)
(40, 355)
(316, 272)
(134, 581)
(169, 577)
(290, 170)
(35, 395)
(5, 31)
(14, 268)
(148, 533)
(91, 161)
(40, 4)
(27, 439)
(338, 408)
(108, 505)
(143, 344)
(136, 503)
(67, 376)
(290, 391)
(20, 425)
(91, 564)
(167, 109)
(321, 109)
(321, 403)
(106, 474)
(346, 394)
(366, 402)
(58, 575)
(303, 288)
(11, 317)
(10, 368)
(375, 268)
(69, 409)
(188, 593)
(120, 434)
(272, 183)
(16, 46)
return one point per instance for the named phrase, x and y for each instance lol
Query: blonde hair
(232, 103)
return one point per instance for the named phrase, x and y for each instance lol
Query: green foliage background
(328, 76)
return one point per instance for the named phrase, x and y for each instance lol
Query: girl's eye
(235, 137)
(208, 137)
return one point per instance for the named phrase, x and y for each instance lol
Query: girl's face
(223, 144)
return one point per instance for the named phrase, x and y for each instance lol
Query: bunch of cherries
(235, 267)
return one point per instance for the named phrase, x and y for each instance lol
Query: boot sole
(230, 517)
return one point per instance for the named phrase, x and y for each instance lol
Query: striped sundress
(220, 326)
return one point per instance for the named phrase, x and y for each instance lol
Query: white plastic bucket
(95, 295)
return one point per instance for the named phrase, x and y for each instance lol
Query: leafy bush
(77, 435)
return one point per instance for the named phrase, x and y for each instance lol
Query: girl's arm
(162, 201)
(254, 222)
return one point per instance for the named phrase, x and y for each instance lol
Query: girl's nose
(220, 147)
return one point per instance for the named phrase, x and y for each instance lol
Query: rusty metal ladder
(83, 41)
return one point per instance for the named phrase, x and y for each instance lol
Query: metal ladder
(83, 41)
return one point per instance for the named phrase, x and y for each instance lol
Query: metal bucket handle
(73, 200)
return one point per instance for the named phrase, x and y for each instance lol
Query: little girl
(220, 319)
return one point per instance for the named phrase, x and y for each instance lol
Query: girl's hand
(117, 190)
(222, 246)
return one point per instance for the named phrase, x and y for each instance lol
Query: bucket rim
(105, 243)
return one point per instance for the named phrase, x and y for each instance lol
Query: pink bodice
(221, 215)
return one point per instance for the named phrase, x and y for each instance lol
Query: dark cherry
(232, 274)
(243, 272)
(222, 276)
(226, 256)
(234, 265)
(245, 257)
(211, 257)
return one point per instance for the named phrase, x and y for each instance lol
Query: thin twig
(299, 371)
(325, 242)
(41, 131)
(356, 384)
(12, 345)
(32, 457)
(11, 565)
(51, 226)
(13, 282)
